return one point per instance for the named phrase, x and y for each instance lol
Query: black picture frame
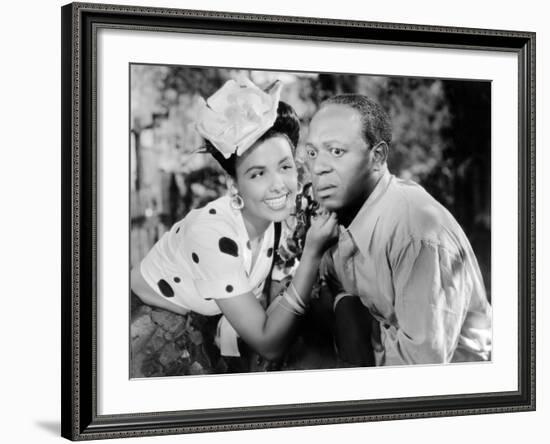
(80, 22)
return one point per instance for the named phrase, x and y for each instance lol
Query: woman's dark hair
(286, 124)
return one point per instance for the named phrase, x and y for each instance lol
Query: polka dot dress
(207, 256)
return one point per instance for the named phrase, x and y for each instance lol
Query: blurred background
(441, 139)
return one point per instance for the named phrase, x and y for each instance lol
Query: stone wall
(163, 343)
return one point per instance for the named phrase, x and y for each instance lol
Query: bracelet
(292, 289)
(293, 304)
(288, 309)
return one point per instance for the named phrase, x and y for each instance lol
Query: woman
(217, 258)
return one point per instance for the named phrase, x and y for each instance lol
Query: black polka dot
(178, 230)
(269, 252)
(248, 245)
(228, 246)
(165, 288)
(195, 258)
(229, 288)
(177, 280)
(212, 211)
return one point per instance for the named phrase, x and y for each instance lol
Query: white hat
(237, 115)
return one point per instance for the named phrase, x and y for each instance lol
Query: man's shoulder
(416, 211)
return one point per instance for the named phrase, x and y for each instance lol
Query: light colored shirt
(410, 263)
(207, 256)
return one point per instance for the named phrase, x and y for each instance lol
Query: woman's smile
(277, 203)
(267, 181)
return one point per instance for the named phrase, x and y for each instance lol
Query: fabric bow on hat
(237, 115)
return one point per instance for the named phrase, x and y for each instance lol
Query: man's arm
(431, 298)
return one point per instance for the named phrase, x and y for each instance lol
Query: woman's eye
(254, 175)
(287, 167)
(337, 152)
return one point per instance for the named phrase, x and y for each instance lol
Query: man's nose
(321, 164)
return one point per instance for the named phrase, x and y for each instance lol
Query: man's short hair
(376, 122)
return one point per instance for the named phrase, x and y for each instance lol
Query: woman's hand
(324, 229)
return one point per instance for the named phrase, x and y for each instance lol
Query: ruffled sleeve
(215, 254)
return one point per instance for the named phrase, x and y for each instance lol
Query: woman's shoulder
(216, 217)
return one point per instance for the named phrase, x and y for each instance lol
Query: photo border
(80, 23)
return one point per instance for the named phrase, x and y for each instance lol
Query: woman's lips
(277, 203)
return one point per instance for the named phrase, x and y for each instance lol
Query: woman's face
(267, 180)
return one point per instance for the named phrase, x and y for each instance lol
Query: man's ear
(380, 153)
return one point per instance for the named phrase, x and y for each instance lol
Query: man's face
(339, 158)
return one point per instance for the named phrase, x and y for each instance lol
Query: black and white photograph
(285, 221)
(275, 221)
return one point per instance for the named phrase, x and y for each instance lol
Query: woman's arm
(142, 289)
(269, 335)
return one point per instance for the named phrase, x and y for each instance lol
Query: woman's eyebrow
(284, 159)
(254, 167)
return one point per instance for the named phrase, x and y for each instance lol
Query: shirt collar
(362, 226)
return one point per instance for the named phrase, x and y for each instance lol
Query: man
(399, 250)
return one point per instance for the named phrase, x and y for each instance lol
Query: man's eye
(312, 154)
(287, 167)
(337, 152)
